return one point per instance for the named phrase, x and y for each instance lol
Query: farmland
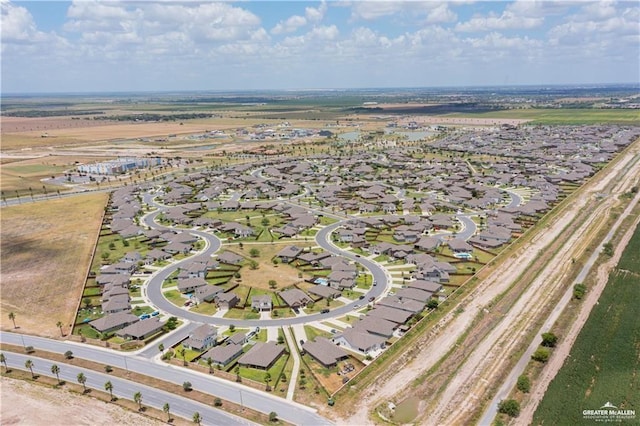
(604, 362)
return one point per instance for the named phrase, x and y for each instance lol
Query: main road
(289, 411)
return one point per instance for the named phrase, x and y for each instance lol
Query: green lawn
(175, 297)
(243, 314)
(205, 308)
(604, 363)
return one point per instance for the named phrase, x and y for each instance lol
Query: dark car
(324, 311)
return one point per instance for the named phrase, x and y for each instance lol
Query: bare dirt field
(24, 403)
(46, 248)
(45, 124)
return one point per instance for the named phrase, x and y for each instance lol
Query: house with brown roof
(359, 341)
(262, 355)
(289, 254)
(112, 322)
(325, 352)
(189, 285)
(295, 298)
(226, 300)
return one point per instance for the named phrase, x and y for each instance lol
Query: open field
(46, 248)
(34, 404)
(22, 174)
(605, 359)
(563, 116)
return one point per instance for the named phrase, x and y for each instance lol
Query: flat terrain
(24, 403)
(604, 362)
(46, 248)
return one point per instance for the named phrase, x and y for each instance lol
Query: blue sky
(96, 46)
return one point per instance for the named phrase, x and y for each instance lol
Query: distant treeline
(429, 109)
(154, 117)
(48, 113)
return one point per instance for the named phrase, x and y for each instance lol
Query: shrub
(549, 340)
(579, 290)
(524, 384)
(217, 402)
(541, 355)
(68, 354)
(186, 386)
(273, 416)
(108, 369)
(510, 407)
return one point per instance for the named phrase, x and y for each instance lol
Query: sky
(145, 45)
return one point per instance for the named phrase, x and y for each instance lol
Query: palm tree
(56, 370)
(161, 348)
(183, 352)
(59, 325)
(196, 418)
(108, 386)
(12, 317)
(267, 379)
(82, 379)
(3, 360)
(166, 409)
(29, 364)
(137, 398)
(210, 364)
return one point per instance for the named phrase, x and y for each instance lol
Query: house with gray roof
(189, 285)
(223, 355)
(262, 355)
(202, 338)
(325, 352)
(112, 322)
(359, 341)
(289, 253)
(207, 293)
(325, 292)
(390, 314)
(230, 258)
(414, 294)
(375, 325)
(226, 300)
(141, 330)
(262, 302)
(295, 298)
(429, 286)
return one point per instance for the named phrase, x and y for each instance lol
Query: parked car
(324, 311)
(155, 313)
(144, 316)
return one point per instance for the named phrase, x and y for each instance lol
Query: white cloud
(506, 21)
(441, 14)
(290, 25)
(368, 10)
(316, 14)
(18, 25)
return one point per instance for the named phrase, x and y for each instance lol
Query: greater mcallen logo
(609, 413)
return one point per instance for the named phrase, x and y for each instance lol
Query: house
(262, 355)
(375, 325)
(429, 286)
(427, 243)
(189, 285)
(238, 339)
(414, 294)
(132, 257)
(119, 268)
(121, 280)
(289, 254)
(261, 303)
(408, 305)
(141, 330)
(459, 246)
(324, 291)
(116, 304)
(223, 355)
(202, 338)
(112, 322)
(229, 258)
(341, 280)
(295, 298)
(207, 293)
(390, 314)
(360, 341)
(227, 300)
(325, 352)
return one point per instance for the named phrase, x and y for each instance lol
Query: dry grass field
(46, 248)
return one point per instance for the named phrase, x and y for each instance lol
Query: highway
(237, 393)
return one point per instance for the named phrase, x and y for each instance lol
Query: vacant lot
(46, 248)
(605, 360)
(563, 116)
(31, 404)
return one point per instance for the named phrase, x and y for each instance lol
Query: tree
(273, 284)
(68, 354)
(82, 379)
(3, 360)
(196, 418)
(510, 407)
(579, 290)
(524, 384)
(210, 364)
(254, 252)
(166, 408)
(232, 328)
(607, 249)
(549, 340)
(137, 398)
(217, 402)
(12, 317)
(108, 386)
(267, 379)
(59, 325)
(237, 371)
(253, 265)
(186, 386)
(161, 348)
(183, 353)
(273, 416)
(541, 355)
(265, 222)
(108, 369)
(29, 364)
(56, 370)
(280, 339)
(432, 304)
